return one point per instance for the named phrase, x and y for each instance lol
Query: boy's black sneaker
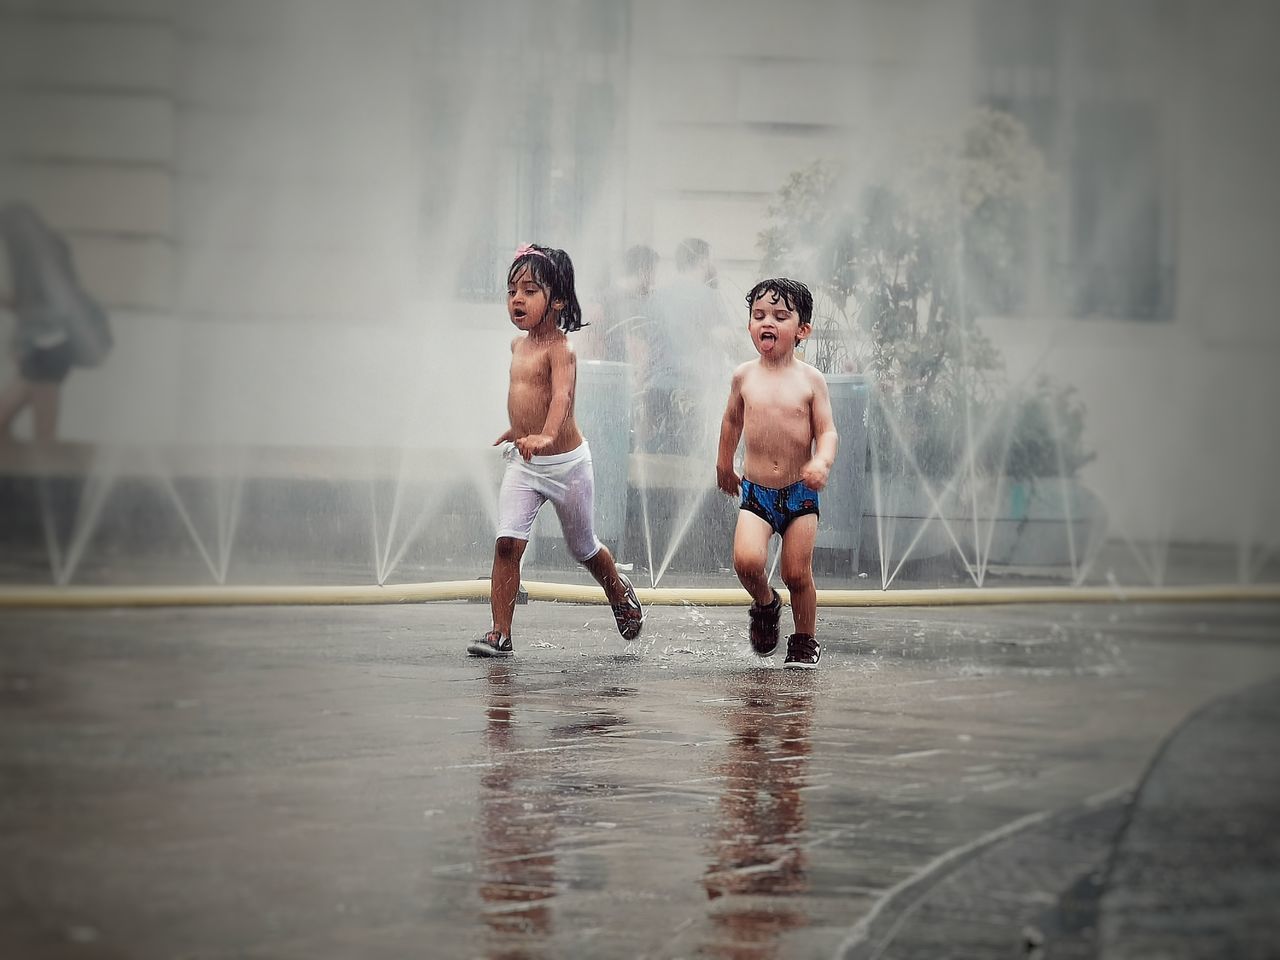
(493, 644)
(764, 626)
(803, 651)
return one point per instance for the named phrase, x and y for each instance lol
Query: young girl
(547, 458)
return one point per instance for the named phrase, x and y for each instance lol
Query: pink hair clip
(527, 249)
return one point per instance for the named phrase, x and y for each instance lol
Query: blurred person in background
(57, 325)
(622, 308)
(686, 349)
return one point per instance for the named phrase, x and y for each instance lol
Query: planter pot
(901, 508)
(840, 527)
(1038, 523)
(1030, 524)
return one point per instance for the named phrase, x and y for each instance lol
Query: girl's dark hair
(552, 270)
(795, 293)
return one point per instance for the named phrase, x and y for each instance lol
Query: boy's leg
(797, 571)
(504, 582)
(803, 649)
(750, 554)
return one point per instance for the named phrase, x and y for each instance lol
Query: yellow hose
(208, 596)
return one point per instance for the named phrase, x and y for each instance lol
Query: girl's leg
(627, 612)
(15, 396)
(44, 411)
(750, 554)
(505, 581)
(602, 567)
(797, 571)
(518, 506)
(575, 506)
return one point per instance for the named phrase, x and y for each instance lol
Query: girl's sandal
(628, 615)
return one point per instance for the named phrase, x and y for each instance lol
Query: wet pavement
(343, 782)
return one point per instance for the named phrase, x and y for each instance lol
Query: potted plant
(1037, 513)
(901, 265)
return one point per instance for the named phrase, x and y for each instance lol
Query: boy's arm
(825, 438)
(564, 376)
(730, 434)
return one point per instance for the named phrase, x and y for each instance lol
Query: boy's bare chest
(777, 397)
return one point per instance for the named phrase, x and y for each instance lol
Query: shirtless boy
(780, 405)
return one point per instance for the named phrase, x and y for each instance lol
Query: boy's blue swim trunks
(779, 507)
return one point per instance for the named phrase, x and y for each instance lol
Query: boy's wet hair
(792, 292)
(552, 270)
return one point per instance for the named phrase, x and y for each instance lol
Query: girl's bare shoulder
(561, 348)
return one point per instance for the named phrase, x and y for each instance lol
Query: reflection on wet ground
(345, 782)
(758, 861)
(521, 807)
(516, 857)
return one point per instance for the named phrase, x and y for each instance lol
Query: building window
(1116, 267)
(519, 151)
(1099, 119)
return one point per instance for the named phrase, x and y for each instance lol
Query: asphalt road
(345, 782)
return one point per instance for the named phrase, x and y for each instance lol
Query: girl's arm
(730, 433)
